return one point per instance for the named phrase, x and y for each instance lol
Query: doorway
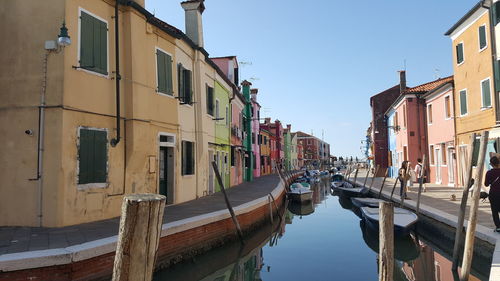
(451, 165)
(211, 188)
(438, 165)
(166, 175)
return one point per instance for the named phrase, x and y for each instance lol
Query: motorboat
(366, 202)
(404, 220)
(353, 191)
(299, 193)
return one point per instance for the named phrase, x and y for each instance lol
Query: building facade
(256, 138)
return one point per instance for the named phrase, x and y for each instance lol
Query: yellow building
(66, 159)
(474, 81)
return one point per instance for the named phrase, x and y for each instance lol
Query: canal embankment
(440, 203)
(86, 251)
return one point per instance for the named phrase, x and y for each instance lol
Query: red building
(277, 142)
(380, 103)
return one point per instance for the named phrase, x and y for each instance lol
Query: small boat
(299, 193)
(353, 191)
(366, 202)
(404, 220)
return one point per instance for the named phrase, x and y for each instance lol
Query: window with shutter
(460, 53)
(93, 44)
(482, 37)
(164, 70)
(486, 93)
(210, 100)
(92, 156)
(187, 158)
(463, 102)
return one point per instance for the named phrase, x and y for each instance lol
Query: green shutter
(100, 156)
(93, 44)
(161, 69)
(486, 93)
(184, 157)
(463, 102)
(168, 72)
(460, 53)
(86, 41)
(482, 37)
(180, 81)
(188, 95)
(84, 156)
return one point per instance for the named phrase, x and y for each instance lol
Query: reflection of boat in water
(405, 248)
(345, 202)
(301, 209)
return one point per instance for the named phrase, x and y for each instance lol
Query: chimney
(402, 81)
(194, 25)
(253, 93)
(289, 127)
(267, 120)
(246, 89)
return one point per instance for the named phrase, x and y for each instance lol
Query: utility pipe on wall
(116, 140)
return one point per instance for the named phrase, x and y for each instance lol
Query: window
(254, 161)
(259, 136)
(443, 153)
(210, 100)
(404, 115)
(405, 153)
(187, 158)
(395, 120)
(463, 102)
(431, 154)
(482, 37)
(429, 114)
(164, 71)
(486, 93)
(92, 156)
(265, 139)
(253, 138)
(447, 107)
(233, 154)
(185, 86)
(93, 44)
(460, 53)
(217, 109)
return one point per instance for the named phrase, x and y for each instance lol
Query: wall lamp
(63, 39)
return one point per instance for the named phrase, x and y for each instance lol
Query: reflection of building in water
(430, 266)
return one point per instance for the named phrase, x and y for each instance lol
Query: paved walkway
(21, 239)
(436, 196)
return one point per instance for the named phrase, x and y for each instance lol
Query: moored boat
(299, 193)
(404, 220)
(366, 202)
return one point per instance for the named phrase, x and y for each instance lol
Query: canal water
(327, 240)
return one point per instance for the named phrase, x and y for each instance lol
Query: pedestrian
(492, 180)
(403, 177)
(419, 172)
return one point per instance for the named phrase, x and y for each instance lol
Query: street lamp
(63, 38)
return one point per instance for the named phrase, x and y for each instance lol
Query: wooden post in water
(138, 237)
(471, 226)
(356, 175)
(394, 186)
(373, 178)
(367, 174)
(228, 204)
(421, 183)
(463, 205)
(386, 238)
(383, 182)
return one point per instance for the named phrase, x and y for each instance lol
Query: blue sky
(316, 63)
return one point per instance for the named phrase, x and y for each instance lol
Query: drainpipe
(116, 140)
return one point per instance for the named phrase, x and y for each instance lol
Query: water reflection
(318, 241)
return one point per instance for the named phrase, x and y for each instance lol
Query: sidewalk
(22, 239)
(437, 196)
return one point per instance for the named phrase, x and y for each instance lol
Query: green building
(247, 121)
(222, 118)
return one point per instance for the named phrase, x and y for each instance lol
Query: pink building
(441, 134)
(407, 122)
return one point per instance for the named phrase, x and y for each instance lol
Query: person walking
(403, 177)
(419, 172)
(492, 180)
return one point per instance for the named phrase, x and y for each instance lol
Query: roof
(429, 86)
(465, 17)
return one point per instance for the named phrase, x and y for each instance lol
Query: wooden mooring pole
(228, 204)
(386, 238)
(367, 174)
(471, 226)
(355, 175)
(405, 182)
(463, 204)
(138, 237)
(383, 182)
(420, 184)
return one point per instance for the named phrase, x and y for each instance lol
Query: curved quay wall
(179, 240)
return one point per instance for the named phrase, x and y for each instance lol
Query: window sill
(459, 64)
(92, 72)
(481, 50)
(189, 176)
(86, 186)
(486, 108)
(166, 95)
